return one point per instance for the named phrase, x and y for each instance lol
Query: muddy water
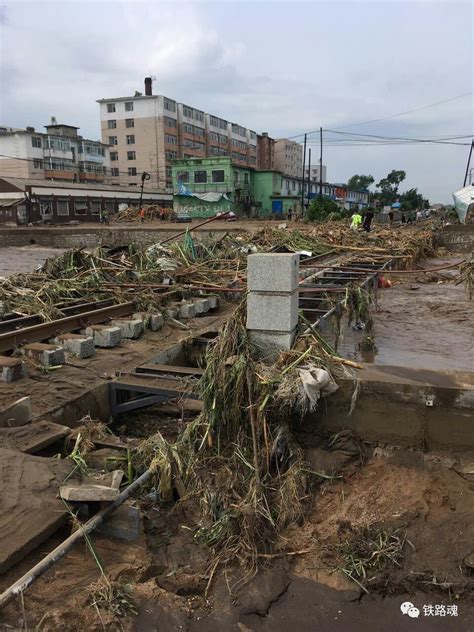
(420, 325)
(14, 260)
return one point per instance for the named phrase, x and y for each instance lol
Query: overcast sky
(280, 67)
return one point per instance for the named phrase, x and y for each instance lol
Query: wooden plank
(167, 368)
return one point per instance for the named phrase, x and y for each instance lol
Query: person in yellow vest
(356, 220)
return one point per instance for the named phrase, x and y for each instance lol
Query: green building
(270, 197)
(203, 187)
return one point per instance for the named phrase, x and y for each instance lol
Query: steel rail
(12, 339)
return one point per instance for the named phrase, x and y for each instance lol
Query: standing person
(368, 217)
(356, 220)
(141, 214)
(390, 217)
(290, 214)
(162, 213)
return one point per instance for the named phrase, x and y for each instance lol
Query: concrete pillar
(272, 302)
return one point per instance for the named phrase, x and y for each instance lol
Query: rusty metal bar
(36, 333)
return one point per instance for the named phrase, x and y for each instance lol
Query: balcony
(58, 174)
(84, 176)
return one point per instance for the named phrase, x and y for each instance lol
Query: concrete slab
(29, 508)
(171, 312)
(270, 344)
(16, 414)
(46, 354)
(105, 336)
(187, 310)
(78, 345)
(131, 328)
(33, 437)
(124, 524)
(268, 312)
(88, 493)
(152, 321)
(275, 272)
(11, 369)
(201, 305)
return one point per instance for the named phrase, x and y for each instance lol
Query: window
(188, 143)
(110, 206)
(183, 176)
(222, 124)
(128, 106)
(110, 107)
(218, 176)
(246, 177)
(63, 207)
(170, 105)
(96, 207)
(199, 146)
(200, 176)
(236, 176)
(172, 155)
(80, 207)
(188, 112)
(113, 156)
(198, 131)
(113, 140)
(131, 139)
(215, 151)
(129, 122)
(253, 135)
(112, 124)
(223, 139)
(199, 116)
(188, 128)
(132, 171)
(131, 155)
(170, 122)
(114, 171)
(214, 121)
(35, 141)
(170, 139)
(37, 164)
(213, 136)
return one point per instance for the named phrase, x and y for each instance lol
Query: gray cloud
(281, 67)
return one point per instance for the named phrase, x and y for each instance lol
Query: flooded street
(19, 259)
(410, 324)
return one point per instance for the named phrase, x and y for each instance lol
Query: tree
(389, 186)
(411, 200)
(360, 182)
(322, 208)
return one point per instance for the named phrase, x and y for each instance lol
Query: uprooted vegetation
(165, 273)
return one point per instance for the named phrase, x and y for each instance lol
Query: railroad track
(86, 314)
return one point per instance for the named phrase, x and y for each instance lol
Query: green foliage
(411, 200)
(360, 182)
(389, 186)
(324, 208)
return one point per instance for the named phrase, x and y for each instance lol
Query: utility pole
(309, 174)
(145, 176)
(468, 163)
(302, 179)
(321, 163)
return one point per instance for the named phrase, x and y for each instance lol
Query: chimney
(148, 84)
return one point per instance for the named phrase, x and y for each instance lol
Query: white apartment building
(148, 131)
(289, 157)
(313, 173)
(60, 153)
